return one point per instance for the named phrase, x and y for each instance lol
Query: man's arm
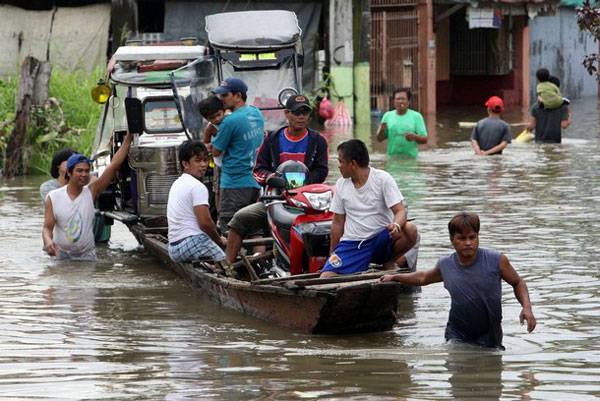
(209, 132)
(98, 186)
(221, 141)
(48, 228)
(264, 162)
(495, 149)
(319, 168)
(419, 278)
(381, 132)
(510, 275)
(564, 124)
(337, 230)
(476, 148)
(420, 134)
(399, 218)
(421, 140)
(207, 225)
(531, 124)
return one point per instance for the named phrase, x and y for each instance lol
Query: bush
(68, 119)
(8, 90)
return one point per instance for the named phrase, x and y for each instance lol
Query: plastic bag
(326, 109)
(525, 136)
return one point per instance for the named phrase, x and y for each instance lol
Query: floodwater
(124, 328)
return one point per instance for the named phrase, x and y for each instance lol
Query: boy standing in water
(492, 134)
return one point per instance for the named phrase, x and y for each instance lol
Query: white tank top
(74, 228)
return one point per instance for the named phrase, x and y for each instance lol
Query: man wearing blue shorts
(192, 232)
(369, 225)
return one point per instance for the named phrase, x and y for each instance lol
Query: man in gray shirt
(492, 134)
(473, 276)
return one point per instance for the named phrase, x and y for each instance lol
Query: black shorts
(232, 200)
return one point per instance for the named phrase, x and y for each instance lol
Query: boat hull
(358, 306)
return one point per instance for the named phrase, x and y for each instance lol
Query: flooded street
(125, 328)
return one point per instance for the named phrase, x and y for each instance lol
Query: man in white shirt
(369, 225)
(69, 210)
(192, 232)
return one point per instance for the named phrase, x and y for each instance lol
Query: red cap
(495, 104)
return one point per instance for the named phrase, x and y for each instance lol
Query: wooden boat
(347, 304)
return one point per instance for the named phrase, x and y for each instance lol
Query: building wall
(71, 38)
(557, 44)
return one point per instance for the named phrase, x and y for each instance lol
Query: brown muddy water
(124, 328)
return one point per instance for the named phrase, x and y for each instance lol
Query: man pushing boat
(369, 223)
(472, 275)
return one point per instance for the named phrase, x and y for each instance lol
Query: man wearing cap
(403, 127)
(69, 210)
(492, 134)
(293, 142)
(238, 139)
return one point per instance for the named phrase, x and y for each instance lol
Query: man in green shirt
(404, 128)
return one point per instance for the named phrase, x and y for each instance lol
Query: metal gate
(394, 50)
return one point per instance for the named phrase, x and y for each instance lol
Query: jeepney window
(160, 116)
(264, 86)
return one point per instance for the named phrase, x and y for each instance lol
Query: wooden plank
(339, 279)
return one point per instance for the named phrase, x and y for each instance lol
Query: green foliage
(8, 90)
(588, 19)
(68, 119)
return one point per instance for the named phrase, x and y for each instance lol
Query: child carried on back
(548, 93)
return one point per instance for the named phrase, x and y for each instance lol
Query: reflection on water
(124, 328)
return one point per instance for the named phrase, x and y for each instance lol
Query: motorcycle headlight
(298, 203)
(319, 201)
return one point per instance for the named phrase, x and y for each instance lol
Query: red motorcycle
(299, 219)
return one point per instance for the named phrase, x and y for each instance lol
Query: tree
(588, 19)
(32, 91)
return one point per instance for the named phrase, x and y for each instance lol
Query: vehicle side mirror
(133, 110)
(276, 181)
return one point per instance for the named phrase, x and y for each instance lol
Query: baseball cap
(297, 102)
(75, 159)
(495, 104)
(231, 85)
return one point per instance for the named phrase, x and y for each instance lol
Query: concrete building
(557, 43)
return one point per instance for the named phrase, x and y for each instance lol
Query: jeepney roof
(150, 65)
(140, 53)
(253, 29)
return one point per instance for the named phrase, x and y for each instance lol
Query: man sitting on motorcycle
(369, 223)
(294, 142)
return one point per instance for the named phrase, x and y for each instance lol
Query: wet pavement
(125, 328)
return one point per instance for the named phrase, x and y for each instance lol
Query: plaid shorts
(195, 247)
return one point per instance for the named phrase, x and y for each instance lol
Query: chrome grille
(157, 188)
